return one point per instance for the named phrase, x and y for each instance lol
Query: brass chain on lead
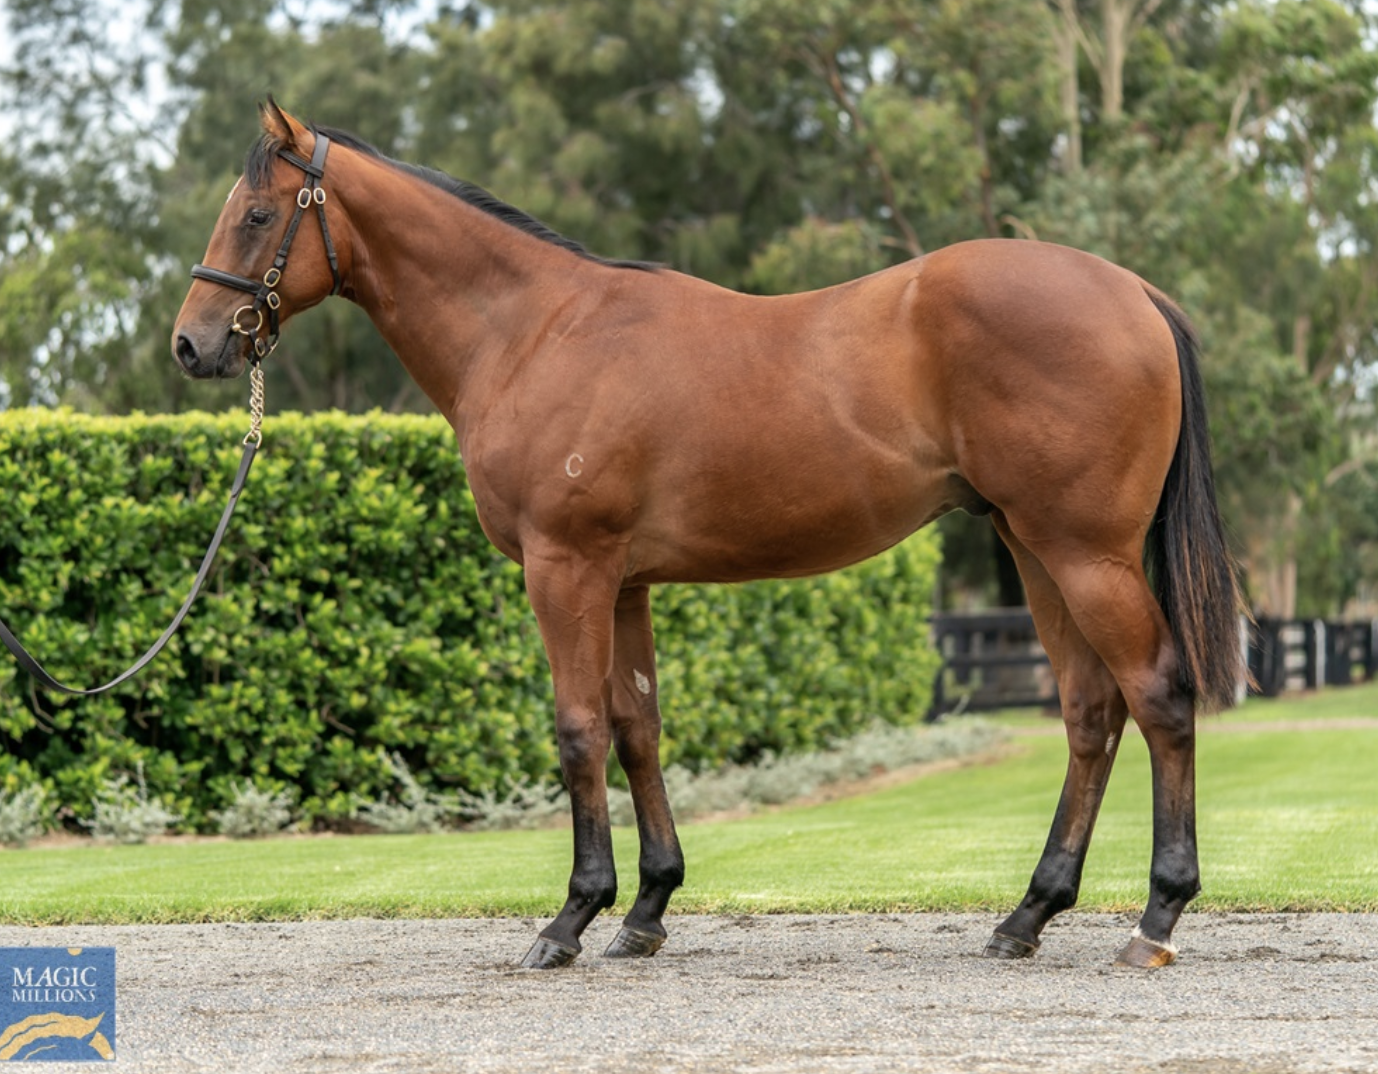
(255, 434)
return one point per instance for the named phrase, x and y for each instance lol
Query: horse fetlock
(592, 894)
(1055, 887)
(1175, 879)
(662, 872)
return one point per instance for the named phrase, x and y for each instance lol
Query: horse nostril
(186, 352)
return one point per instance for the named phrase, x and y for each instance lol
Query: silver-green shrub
(413, 809)
(253, 812)
(25, 814)
(523, 805)
(124, 813)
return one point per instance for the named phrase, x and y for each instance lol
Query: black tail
(1192, 569)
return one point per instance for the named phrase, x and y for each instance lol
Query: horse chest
(577, 498)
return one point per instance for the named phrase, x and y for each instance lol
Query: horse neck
(450, 288)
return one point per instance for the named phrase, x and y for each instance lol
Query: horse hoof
(633, 943)
(549, 955)
(1145, 954)
(1002, 946)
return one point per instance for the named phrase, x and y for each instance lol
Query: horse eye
(258, 217)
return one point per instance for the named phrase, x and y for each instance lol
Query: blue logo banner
(57, 1004)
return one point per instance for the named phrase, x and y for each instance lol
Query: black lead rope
(251, 443)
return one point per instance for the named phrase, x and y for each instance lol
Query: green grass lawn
(1288, 820)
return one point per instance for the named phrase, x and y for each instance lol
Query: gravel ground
(1263, 994)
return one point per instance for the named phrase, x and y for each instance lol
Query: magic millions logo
(57, 1004)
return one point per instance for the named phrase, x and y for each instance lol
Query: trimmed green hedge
(356, 609)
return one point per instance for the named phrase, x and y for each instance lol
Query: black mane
(258, 168)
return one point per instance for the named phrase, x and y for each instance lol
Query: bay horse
(623, 425)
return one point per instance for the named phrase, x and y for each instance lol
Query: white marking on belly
(1110, 745)
(642, 683)
(574, 465)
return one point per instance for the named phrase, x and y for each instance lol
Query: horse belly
(772, 513)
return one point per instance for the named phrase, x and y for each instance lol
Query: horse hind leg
(636, 738)
(1094, 714)
(1111, 604)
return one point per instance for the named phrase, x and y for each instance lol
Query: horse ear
(283, 129)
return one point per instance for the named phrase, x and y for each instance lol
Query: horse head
(246, 289)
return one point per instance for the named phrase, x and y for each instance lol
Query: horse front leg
(636, 737)
(573, 601)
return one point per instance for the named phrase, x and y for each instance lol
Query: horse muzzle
(211, 356)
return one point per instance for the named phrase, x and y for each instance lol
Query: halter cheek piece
(248, 319)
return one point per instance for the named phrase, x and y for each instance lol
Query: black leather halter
(265, 290)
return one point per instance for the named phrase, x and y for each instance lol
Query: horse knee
(583, 742)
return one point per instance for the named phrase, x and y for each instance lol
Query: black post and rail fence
(993, 659)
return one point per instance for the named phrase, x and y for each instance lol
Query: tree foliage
(1225, 150)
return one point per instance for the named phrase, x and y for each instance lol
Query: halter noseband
(264, 291)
